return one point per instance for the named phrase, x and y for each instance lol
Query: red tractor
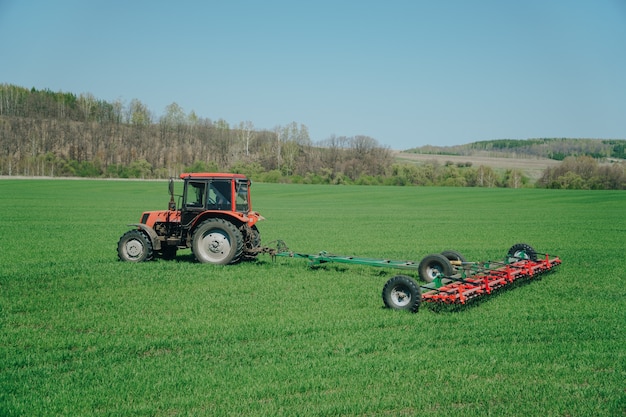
(214, 219)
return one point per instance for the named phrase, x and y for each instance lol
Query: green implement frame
(427, 269)
(324, 257)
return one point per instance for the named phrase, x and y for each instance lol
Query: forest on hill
(552, 148)
(57, 134)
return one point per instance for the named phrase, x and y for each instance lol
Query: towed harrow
(449, 278)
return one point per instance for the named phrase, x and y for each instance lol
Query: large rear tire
(252, 241)
(218, 242)
(433, 266)
(134, 246)
(402, 293)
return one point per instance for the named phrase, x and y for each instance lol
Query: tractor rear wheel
(434, 265)
(252, 241)
(521, 251)
(134, 246)
(217, 241)
(402, 293)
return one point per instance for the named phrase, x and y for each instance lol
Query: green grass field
(84, 334)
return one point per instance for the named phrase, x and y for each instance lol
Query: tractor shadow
(190, 258)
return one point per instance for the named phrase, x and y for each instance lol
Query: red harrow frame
(450, 279)
(473, 281)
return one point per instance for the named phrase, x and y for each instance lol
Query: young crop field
(85, 334)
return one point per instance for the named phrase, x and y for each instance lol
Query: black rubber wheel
(521, 251)
(252, 241)
(217, 241)
(453, 256)
(134, 246)
(434, 265)
(402, 293)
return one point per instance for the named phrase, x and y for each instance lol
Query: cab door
(194, 200)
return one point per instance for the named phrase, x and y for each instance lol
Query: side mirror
(172, 204)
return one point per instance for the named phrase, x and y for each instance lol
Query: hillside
(532, 167)
(551, 163)
(551, 148)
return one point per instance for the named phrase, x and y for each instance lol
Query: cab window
(196, 194)
(219, 195)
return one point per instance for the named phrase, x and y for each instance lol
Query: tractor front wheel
(402, 293)
(134, 246)
(217, 241)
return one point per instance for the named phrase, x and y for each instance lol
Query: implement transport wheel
(217, 241)
(402, 293)
(453, 256)
(134, 246)
(434, 265)
(521, 251)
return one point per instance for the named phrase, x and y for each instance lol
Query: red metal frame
(486, 280)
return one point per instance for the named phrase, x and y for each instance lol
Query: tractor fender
(154, 238)
(210, 214)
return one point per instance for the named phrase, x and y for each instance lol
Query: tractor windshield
(242, 196)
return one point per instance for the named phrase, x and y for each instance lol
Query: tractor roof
(209, 175)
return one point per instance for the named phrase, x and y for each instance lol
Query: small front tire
(402, 293)
(134, 246)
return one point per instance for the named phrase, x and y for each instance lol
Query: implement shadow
(476, 301)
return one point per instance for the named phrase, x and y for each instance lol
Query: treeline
(43, 133)
(584, 172)
(456, 175)
(46, 133)
(553, 148)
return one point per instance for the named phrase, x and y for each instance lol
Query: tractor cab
(228, 193)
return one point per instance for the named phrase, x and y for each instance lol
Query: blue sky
(405, 72)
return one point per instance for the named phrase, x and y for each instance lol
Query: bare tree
(222, 142)
(279, 132)
(486, 177)
(86, 103)
(246, 135)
